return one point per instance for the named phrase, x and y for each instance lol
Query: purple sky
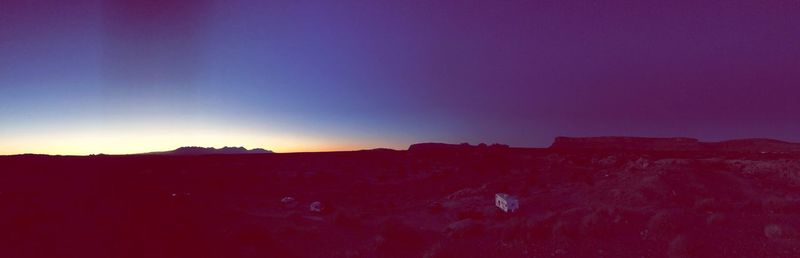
(129, 76)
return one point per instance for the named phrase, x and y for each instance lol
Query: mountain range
(195, 150)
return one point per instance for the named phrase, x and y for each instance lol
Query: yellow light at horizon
(142, 141)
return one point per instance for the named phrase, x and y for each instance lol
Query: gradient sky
(80, 77)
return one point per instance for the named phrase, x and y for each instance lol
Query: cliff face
(672, 144)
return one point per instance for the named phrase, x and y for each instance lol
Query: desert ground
(429, 201)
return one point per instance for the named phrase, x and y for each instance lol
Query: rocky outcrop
(673, 144)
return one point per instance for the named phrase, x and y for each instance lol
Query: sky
(81, 77)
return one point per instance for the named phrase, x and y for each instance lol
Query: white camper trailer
(506, 202)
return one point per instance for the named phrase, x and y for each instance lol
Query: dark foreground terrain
(430, 201)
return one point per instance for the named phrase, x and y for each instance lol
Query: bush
(253, 235)
(435, 208)
(664, 224)
(514, 230)
(564, 230)
(774, 204)
(709, 205)
(540, 229)
(347, 220)
(705, 205)
(779, 231)
(596, 224)
(679, 247)
(470, 214)
(440, 251)
(394, 236)
(773, 231)
(295, 217)
(716, 219)
(464, 228)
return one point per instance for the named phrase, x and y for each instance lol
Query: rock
(608, 161)
(288, 201)
(316, 207)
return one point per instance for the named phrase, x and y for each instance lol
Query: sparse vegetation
(464, 228)
(571, 204)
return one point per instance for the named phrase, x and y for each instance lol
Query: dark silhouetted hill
(445, 147)
(754, 145)
(626, 143)
(672, 144)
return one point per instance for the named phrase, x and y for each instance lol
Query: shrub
(252, 235)
(713, 205)
(596, 224)
(564, 230)
(679, 247)
(438, 251)
(295, 217)
(395, 236)
(464, 228)
(514, 230)
(540, 229)
(470, 214)
(716, 219)
(344, 219)
(779, 231)
(664, 224)
(773, 231)
(705, 205)
(774, 204)
(435, 208)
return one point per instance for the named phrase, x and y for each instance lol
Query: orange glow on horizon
(137, 149)
(143, 141)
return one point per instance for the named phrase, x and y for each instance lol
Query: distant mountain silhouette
(754, 145)
(626, 143)
(194, 150)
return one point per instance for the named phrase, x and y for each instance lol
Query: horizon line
(378, 148)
